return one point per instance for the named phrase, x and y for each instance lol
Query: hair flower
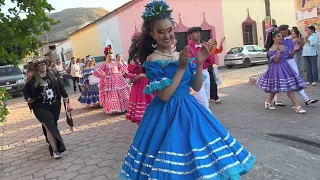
(155, 7)
(108, 50)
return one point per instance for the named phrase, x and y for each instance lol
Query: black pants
(76, 81)
(49, 115)
(64, 79)
(213, 86)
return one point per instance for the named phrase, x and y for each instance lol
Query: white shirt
(75, 70)
(82, 66)
(59, 68)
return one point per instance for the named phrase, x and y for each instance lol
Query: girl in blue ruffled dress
(89, 83)
(178, 138)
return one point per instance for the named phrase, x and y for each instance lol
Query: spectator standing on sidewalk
(74, 71)
(214, 71)
(296, 39)
(310, 55)
(82, 64)
(60, 68)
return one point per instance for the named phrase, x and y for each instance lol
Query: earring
(154, 44)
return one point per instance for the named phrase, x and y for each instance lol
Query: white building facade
(64, 50)
(108, 29)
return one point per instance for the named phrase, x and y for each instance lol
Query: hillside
(71, 20)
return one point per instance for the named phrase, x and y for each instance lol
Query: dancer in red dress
(138, 101)
(113, 88)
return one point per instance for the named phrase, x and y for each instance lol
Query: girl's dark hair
(296, 31)
(133, 52)
(142, 47)
(312, 28)
(270, 40)
(289, 32)
(117, 55)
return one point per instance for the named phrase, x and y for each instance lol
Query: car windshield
(235, 50)
(9, 71)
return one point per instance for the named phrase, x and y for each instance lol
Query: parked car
(245, 56)
(11, 78)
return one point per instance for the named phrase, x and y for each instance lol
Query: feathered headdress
(155, 7)
(108, 50)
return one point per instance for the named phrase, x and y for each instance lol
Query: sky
(59, 5)
(109, 5)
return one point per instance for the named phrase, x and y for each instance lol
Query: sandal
(278, 103)
(269, 106)
(299, 110)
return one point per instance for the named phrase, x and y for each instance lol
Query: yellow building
(244, 20)
(85, 41)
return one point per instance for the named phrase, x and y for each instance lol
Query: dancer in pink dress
(138, 101)
(113, 88)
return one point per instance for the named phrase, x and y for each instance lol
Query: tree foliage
(19, 27)
(4, 97)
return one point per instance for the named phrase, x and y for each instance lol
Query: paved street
(286, 145)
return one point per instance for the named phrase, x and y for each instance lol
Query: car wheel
(229, 66)
(246, 63)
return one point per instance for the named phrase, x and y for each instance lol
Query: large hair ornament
(156, 7)
(108, 50)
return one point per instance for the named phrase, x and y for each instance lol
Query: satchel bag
(93, 80)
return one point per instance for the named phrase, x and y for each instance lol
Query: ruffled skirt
(180, 139)
(114, 94)
(280, 77)
(90, 96)
(138, 101)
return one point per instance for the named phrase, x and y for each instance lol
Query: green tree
(19, 27)
(4, 97)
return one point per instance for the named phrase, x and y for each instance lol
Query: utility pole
(268, 17)
(267, 6)
(47, 38)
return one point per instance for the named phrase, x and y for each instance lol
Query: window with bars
(248, 35)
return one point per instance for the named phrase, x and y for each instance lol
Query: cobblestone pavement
(286, 145)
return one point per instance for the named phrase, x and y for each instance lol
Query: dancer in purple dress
(280, 77)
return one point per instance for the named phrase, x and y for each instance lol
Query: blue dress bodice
(161, 72)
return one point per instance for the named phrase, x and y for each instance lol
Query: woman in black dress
(43, 91)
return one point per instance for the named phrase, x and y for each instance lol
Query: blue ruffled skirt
(90, 96)
(180, 139)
